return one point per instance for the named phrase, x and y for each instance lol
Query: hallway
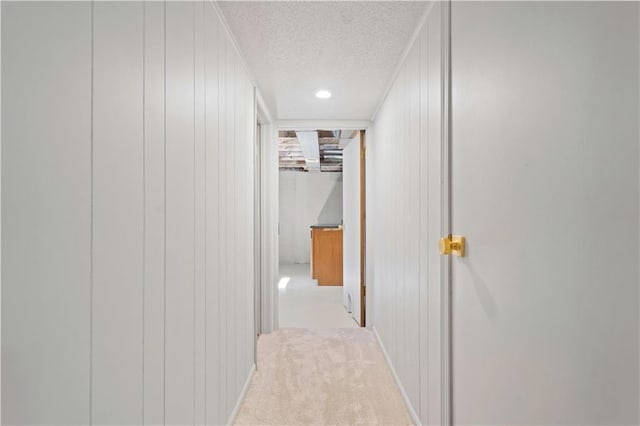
(303, 304)
(329, 376)
(459, 167)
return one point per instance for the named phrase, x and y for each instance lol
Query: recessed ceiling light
(323, 94)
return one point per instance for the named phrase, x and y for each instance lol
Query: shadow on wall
(331, 212)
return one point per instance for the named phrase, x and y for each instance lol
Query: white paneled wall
(403, 221)
(46, 213)
(118, 213)
(127, 199)
(154, 207)
(306, 199)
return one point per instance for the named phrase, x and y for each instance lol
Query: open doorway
(320, 243)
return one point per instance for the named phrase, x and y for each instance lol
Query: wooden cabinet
(326, 255)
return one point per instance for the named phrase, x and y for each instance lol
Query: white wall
(127, 195)
(403, 222)
(351, 233)
(306, 199)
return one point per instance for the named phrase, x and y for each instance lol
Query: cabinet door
(327, 256)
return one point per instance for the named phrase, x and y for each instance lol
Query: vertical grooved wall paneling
(200, 213)
(154, 277)
(118, 205)
(230, 210)
(223, 159)
(127, 199)
(404, 155)
(237, 216)
(212, 186)
(180, 213)
(46, 212)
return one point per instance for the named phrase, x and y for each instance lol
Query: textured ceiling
(295, 48)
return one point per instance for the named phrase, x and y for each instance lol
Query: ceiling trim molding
(403, 58)
(323, 124)
(214, 5)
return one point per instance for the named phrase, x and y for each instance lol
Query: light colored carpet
(322, 377)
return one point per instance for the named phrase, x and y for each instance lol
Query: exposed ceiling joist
(310, 149)
(313, 151)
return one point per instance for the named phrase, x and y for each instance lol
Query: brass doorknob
(452, 244)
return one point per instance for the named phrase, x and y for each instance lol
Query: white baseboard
(245, 388)
(405, 397)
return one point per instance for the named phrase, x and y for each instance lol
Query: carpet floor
(322, 377)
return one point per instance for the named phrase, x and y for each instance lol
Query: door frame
(363, 229)
(446, 348)
(274, 196)
(257, 223)
(265, 304)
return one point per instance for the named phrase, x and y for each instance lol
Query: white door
(545, 185)
(351, 235)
